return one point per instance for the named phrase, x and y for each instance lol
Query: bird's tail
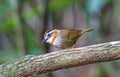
(87, 30)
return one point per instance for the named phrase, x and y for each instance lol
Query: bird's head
(50, 36)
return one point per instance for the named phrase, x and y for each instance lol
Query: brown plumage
(71, 36)
(67, 37)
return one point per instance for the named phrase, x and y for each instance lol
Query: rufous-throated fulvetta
(64, 38)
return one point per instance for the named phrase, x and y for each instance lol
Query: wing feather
(70, 33)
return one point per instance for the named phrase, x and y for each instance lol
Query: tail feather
(87, 30)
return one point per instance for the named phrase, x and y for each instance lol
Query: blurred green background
(23, 23)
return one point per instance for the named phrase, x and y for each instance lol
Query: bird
(64, 38)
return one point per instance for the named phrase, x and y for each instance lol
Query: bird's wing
(70, 34)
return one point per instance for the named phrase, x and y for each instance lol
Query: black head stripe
(49, 30)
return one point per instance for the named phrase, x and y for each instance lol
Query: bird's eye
(49, 35)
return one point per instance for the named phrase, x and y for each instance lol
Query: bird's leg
(71, 47)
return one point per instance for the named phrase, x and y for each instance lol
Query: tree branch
(32, 65)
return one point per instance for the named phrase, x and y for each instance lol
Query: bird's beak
(44, 40)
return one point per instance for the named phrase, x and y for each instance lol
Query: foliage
(22, 24)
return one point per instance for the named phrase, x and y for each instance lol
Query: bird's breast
(58, 41)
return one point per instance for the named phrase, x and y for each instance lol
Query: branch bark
(31, 65)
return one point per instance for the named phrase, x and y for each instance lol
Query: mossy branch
(31, 65)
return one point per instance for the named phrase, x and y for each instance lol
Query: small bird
(64, 38)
